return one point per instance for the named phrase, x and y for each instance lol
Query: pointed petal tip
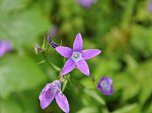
(43, 107)
(62, 102)
(87, 74)
(99, 51)
(83, 67)
(63, 73)
(78, 43)
(78, 33)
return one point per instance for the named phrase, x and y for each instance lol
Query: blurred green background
(122, 29)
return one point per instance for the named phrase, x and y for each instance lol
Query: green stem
(44, 56)
(93, 81)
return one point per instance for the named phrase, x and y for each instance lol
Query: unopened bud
(37, 49)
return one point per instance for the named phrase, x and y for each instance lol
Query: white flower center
(76, 56)
(105, 85)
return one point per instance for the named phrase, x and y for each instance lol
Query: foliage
(122, 29)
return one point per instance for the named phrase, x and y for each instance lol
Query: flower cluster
(76, 58)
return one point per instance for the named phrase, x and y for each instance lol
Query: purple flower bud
(49, 38)
(37, 49)
(51, 91)
(51, 34)
(53, 44)
(86, 3)
(5, 47)
(105, 85)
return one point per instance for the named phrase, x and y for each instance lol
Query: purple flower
(51, 91)
(106, 86)
(77, 56)
(51, 34)
(86, 3)
(5, 47)
(150, 6)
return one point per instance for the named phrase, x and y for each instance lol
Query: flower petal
(69, 66)
(105, 85)
(44, 99)
(62, 102)
(90, 53)
(64, 51)
(5, 46)
(83, 67)
(78, 43)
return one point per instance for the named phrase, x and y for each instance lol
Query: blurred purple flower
(5, 46)
(86, 3)
(77, 56)
(106, 86)
(51, 34)
(150, 6)
(51, 91)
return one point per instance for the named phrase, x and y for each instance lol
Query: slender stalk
(51, 65)
(93, 81)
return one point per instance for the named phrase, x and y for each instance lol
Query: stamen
(76, 56)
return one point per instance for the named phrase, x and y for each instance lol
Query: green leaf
(94, 95)
(146, 90)
(22, 28)
(19, 73)
(140, 39)
(144, 79)
(130, 91)
(142, 12)
(126, 109)
(121, 81)
(88, 110)
(8, 6)
(10, 106)
(55, 67)
(127, 15)
(106, 67)
(149, 108)
(86, 81)
(64, 85)
(24, 102)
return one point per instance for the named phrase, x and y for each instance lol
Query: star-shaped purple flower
(105, 85)
(51, 91)
(77, 56)
(5, 47)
